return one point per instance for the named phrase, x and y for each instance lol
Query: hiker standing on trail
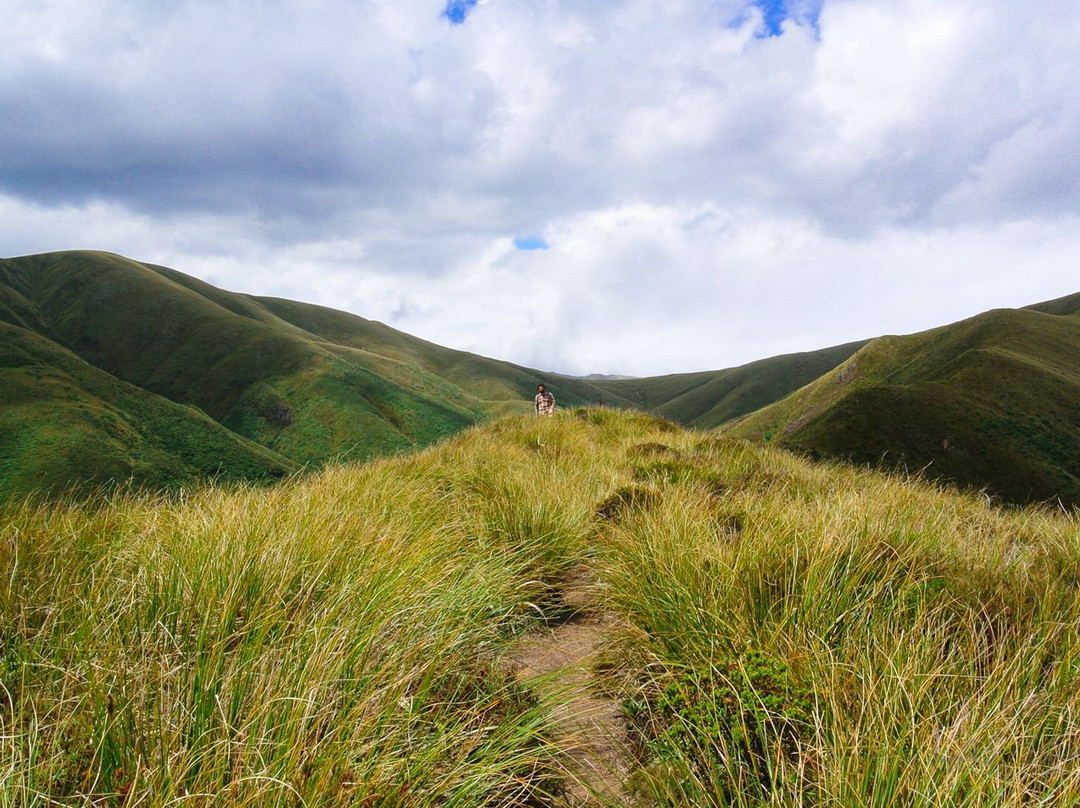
(544, 401)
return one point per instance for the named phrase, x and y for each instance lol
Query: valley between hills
(116, 372)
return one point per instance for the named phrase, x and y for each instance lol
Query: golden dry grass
(795, 634)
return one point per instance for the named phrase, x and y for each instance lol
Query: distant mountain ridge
(711, 398)
(112, 370)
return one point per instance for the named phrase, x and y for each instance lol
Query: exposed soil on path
(559, 662)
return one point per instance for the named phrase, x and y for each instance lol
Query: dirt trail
(588, 724)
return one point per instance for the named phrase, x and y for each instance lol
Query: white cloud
(709, 196)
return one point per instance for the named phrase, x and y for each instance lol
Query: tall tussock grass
(824, 635)
(787, 633)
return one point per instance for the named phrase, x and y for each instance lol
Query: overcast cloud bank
(620, 186)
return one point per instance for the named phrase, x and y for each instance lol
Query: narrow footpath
(559, 661)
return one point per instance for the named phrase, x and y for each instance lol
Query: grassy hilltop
(780, 632)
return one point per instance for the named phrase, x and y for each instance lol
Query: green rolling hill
(711, 398)
(209, 382)
(63, 422)
(992, 402)
(114, 370)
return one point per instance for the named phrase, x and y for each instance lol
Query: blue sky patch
(530, 243)
(457, 10)
(776, 11)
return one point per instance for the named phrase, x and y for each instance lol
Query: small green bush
(736, 727)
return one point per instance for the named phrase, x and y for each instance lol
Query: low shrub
(738, 727)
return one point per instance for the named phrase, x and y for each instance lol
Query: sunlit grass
(791, 634)
(936, 634)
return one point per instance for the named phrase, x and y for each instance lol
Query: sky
(634, 187)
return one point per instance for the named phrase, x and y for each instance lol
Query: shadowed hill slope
(991, 402)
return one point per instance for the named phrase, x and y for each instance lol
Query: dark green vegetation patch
(726, 725)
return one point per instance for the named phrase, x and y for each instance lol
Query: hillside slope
(768, 632)
(991, 402)
(118, 370)
(65, 423)
(306, 382)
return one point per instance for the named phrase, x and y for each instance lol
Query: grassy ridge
(1063, 306)
(488, 380)
(992, 402)
(786, 633)
(188, 341)
(335, 639)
